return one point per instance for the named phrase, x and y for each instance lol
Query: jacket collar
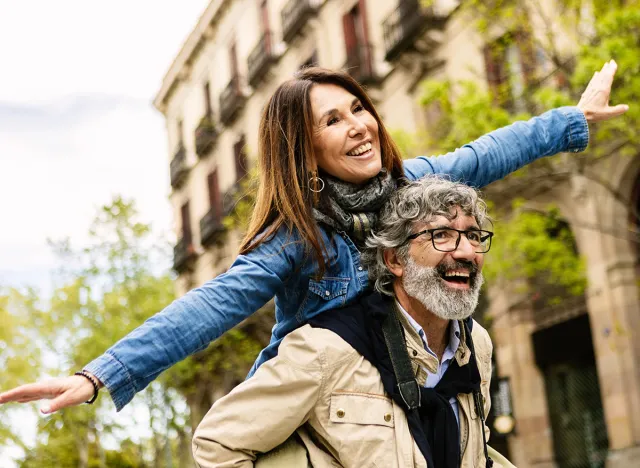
(420, 355)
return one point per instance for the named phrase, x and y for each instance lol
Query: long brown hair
(286, 161)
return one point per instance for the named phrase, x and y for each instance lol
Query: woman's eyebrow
(333, 111)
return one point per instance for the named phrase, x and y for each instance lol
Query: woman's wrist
(98, 381)
(95, 382)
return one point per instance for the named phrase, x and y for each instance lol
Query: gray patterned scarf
(354, 208)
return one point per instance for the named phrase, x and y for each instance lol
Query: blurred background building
(567, 381)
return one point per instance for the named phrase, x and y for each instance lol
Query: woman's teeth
(360, 149)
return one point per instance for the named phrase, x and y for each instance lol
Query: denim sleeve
(497, 154)
(191, 322)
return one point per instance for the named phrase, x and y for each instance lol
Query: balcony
(407, 22)
(206, 136)
(178, 169)
(211, 227)
(360, 64)
(261, 59)
(231, 100)
(183, 255)
(294, 16)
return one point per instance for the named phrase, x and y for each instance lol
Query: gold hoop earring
(315, 181)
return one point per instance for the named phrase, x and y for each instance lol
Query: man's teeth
(360, 149)
(456, 273)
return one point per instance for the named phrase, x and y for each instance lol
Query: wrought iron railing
(206, 135)
(294, 15)
(183, 255)
(178, 169)
(260, 59)
(211, 226)
(231, 100)
(404, 25)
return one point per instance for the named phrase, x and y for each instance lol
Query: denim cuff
(578, 131)
(115, 378)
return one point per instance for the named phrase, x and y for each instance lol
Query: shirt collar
(454, 335)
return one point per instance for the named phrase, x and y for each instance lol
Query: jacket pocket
(329, 288)
(361, 408)
(362, 428)
(325, 294)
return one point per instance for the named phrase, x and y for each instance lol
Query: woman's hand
(63, 392)
(594, 102)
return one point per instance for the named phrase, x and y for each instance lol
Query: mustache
(442, 268)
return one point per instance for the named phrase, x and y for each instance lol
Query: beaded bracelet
(91, 379)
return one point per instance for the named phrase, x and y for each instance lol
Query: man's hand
(63, 392)
(594, 102)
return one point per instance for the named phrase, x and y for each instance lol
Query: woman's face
(345, 135)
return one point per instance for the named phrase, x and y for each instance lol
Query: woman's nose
(357, 127)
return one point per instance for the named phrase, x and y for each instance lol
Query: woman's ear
(393, 262)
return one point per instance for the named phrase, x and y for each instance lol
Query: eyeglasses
(448, 239)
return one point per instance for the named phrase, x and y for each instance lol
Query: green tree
(535, 243)
(102, 291)
(19, 354)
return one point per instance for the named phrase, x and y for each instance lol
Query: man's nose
(465, 250)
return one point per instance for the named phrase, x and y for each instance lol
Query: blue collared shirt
(447, 357)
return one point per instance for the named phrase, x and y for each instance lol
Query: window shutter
(215, 201)
(233, 59)
(207, 98)
(186, 223)
(350, 37)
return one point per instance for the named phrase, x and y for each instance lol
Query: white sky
(76, 121)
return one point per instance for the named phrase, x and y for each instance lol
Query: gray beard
(426, 286)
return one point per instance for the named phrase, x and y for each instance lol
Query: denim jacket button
(360, 268)
(327, 293)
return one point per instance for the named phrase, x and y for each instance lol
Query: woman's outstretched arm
(497, 154)
(184, 327)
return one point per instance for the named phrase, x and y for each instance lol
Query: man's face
(446, 283)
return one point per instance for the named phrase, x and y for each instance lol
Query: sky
(76, 122)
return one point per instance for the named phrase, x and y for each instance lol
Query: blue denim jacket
(280, 268)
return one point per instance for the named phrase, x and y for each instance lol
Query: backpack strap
(407, 384)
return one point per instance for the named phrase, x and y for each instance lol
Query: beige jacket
(321, 387)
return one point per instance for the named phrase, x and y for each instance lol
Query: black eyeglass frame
(466, 232)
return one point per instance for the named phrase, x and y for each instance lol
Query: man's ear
(393, 262)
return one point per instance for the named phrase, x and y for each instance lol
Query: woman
(321, 154)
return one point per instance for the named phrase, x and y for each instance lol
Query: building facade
(212, 97)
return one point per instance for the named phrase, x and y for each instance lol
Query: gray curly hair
(415, 203)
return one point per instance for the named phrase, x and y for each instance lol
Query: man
(334, 382)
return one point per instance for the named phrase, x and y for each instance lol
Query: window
(233, 59)
(264, 16)
(215, 201)
(207, 98)
(264, 25)
(179, 131)
(186, 223)
(354, 26)
(510, 63)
